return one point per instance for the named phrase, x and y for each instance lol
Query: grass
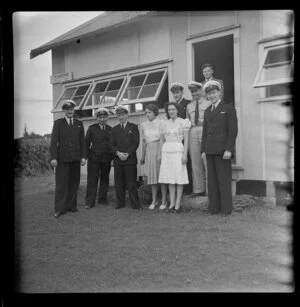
(107, 250)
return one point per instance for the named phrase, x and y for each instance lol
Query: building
(133, 57)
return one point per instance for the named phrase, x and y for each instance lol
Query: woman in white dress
(150, 134)
(173, 155)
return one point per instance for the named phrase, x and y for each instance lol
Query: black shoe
(74, 210)
(57, 215)
(178, 210)
(88, 207)
(170, 210)
(119, 207)
(138, 208)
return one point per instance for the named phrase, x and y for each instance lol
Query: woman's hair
(172, 104)
(153, 108)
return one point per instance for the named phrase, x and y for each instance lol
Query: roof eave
(40, 50)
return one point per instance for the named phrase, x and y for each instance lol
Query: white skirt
(171, 168)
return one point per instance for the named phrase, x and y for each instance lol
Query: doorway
(218, 52)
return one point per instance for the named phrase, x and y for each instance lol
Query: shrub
(32, 156)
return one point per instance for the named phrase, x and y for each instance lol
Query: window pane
(110, 97)
(100, 87)
(131, 93)
(115, 85)
(82, 90)
(154, 77)
(78, 100)
(280, 55)
(136, 81)
(68, 93)
(274, 73)
(278, 90)
(148, 91)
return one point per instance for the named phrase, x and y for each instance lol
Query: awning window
(104, 93)
(77, 93)
(277, 66)
(143, 87)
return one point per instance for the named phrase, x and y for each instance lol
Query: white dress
(151, 135)
(172, 170)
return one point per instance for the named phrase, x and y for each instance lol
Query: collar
(68, 119)
(209, 79)
(217, 103)
(124, 124)
(180, 100)
(102, 126)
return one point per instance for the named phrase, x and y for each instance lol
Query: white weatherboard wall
(164, 37)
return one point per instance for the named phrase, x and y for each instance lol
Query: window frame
(259, 84)
(69, 86)
(147, 72)
(107, 79)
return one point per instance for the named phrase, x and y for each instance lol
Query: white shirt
(102, 127)
(216, 104)
(68, 120)
(124, 124)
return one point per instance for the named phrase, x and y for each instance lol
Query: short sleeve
(186, 124)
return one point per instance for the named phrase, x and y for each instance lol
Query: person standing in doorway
(218, 139)
(195, 113)
(124, 142)
(68, 152)
(208, 74)
(99, 159)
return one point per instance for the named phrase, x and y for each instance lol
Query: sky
(32, 88)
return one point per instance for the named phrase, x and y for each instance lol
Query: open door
(218, 52)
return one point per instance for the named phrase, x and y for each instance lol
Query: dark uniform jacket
(97, 143)
(67, 143)
(125, 141)
(182, 108)
(219, 129)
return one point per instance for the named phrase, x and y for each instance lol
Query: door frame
(235, 31)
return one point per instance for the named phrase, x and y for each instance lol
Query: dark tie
(197, 112)
(71, 122)
(122, 127)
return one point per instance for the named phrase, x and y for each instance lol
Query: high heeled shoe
(152, 206)
(162, 207)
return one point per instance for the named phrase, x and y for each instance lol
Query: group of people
(190, 152)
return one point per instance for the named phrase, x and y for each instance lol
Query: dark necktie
(71, 122)
(197, 113)
(122, 127)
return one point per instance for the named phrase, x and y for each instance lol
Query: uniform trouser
(198, 169)
(94, 171)
(188, 188)
(67, 180)
(219, 184)
(125, 176)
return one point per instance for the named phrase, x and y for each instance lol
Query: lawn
(126, 250)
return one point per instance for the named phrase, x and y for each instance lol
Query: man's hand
(82, 162)
(227, 155)
(53, 163)
(122, 155)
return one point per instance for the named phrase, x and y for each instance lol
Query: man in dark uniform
(125, 139)
(219, 135)
(176, 89)
(67, 154)
(208, 71)
(99, 159)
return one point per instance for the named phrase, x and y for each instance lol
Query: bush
(32, 156)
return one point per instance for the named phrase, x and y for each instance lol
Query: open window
(144, 87)
(77, 93)
(276, 70)
(105, 93)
